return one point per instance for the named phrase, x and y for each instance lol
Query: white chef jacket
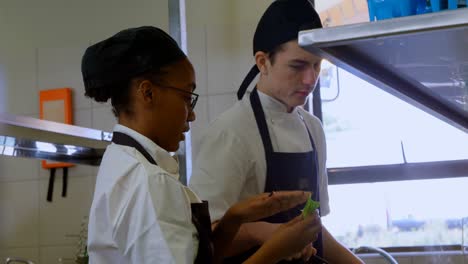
(140, 212)
(231, 164)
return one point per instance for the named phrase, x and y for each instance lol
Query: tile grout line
(39, 179)
(220, 93)
(38, 182)
(205, 34)
(36, 61)
(39, 246)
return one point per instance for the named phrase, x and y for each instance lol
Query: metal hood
(28, 137)
(421, 59)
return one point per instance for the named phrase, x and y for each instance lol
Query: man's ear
(262, 61)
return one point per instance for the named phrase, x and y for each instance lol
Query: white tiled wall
(19, 73)
(56, 219)
(41, 48)
(18, 169)
(31, 253)
(19, 212)
(219, 37)
(55, 255)
(58, 67)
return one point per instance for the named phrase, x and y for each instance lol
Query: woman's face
(172, 105)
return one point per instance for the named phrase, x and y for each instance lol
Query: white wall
(321, 5)
(41, 45)
(219, 38)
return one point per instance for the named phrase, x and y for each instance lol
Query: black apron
(285, 171)
(200, 214)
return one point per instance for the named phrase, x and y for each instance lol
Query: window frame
(393, 172)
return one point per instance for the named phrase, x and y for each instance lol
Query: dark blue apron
(285, 171)
(200, 213)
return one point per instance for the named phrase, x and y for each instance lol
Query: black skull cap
(280, 23)
(127, 54)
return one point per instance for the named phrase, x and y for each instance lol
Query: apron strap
(126, 140)
(266, 139)
(308, 132)
(261, 122)
(318, 243)
(202, 221)
(200, 213)
(263, 127)
(247, 81)
(317, 168)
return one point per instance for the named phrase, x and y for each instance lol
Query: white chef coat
(231, 164)
(140, 213)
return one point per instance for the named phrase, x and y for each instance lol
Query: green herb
(310, 207)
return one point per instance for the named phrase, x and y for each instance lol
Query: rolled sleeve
(174, 217)
(220, 170)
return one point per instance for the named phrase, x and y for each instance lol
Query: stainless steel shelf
(22, 136)
(421, 59)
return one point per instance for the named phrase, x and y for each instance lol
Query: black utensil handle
(50, 190)
(65, 182)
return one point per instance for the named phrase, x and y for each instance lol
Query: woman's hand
(290, 238)
(265, 205)
(249, 210)
(305, 254)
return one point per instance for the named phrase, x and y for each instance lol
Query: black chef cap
(126, 55)
(280, 23)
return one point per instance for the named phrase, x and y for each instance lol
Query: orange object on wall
(56, 105)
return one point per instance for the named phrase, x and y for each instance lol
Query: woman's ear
(262, 61)
(145, 91)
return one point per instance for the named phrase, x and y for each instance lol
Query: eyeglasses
(193, 99)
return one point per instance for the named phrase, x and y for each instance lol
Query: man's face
(292, 75)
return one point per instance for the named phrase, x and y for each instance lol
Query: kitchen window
(376, 136)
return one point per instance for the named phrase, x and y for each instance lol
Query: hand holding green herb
(310, 207)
